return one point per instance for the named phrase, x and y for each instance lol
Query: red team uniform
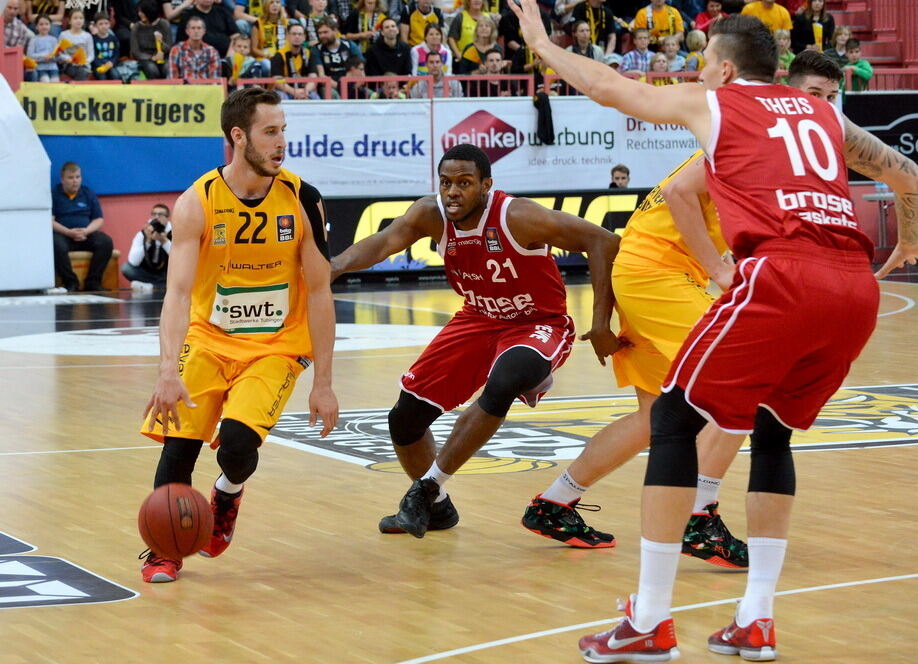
(513, 297)
(804, 300)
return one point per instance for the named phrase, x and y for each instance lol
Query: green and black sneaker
(562, 522)
(707, 537)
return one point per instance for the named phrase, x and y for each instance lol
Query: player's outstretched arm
(533, 225)
(681, 195)
(868, 155)
(420, 220)
(320, 306)
(187, 228)
(680, 104)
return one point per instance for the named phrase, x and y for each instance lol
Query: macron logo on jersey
(829, 208)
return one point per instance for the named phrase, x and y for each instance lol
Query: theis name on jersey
(824, 205)
(786, 105)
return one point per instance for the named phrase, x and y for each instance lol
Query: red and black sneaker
(225, 508)
(754, 643)
(706, 537)
(624, 643)
(158, 570)
(561, 522)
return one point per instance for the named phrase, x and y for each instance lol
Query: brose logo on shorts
(250, 310)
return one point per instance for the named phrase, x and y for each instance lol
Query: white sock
(708, 488)
(564, 490)
(659, 561)
(766, 556)
(434, 473)
(224, 485)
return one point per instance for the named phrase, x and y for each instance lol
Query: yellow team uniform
(660, 289)
(660, 23)
(248, 338)
(776, 17)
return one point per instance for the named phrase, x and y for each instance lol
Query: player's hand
(531, 26)
(724, 276)
(901, 254)
(170, 389)
(605, 343)
(323, 403)
(336, 270)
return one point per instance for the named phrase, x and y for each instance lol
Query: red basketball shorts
(459, 359)
(783, 337)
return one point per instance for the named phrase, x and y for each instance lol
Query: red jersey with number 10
(497, 277)
(776, 169)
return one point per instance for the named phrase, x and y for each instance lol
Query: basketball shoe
(754, 643)
(624, 643)
(225, 508)
(158, 570)
(707, 537)
(562, 522)
(443, 515)
(415, 509)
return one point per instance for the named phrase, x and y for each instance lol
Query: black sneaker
(443, 515)
(707, 537)
(415, 508)
(562, 522)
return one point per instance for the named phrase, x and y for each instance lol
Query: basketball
(175, 521)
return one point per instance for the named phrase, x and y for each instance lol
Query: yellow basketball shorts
(657, 309)
(253, 392)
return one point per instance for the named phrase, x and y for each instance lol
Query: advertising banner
(890, 116)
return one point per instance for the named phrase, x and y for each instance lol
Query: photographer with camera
(148, 258)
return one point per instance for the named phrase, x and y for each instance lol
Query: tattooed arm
(869, 156)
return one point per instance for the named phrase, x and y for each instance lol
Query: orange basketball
(175, 521)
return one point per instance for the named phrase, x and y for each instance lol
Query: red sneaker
(754, 643)
(225, 507)
(624, 643)
(159, 570)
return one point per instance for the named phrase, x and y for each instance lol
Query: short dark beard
(251, 158)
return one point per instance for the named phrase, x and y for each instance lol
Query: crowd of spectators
(290, 39)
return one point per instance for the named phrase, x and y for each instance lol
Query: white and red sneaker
(754, 643)
(624, 643)
(225, 508)
(159, 570)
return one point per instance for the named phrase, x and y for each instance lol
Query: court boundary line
(909, 303)
(688, 607)
(96, 449)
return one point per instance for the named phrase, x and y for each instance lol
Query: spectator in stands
(53, 9)
(239, 62)
(340, 10)
(658, 65)
(357, 68)
(563, 13)
(670, 49)
(364, 23)
(76, 48)
(583, 42)
(862, 70)
(813, 27)
(713, 12)
(839, 39)
(148, 258)
(473, 55)
(509, 30)
(297, 9)
(602, 22)
(246, 14)
(464, 25)
(689, 10)
(435, 69)
(15, 32)
(219, 25)
(770, 13)
(785, 54)
(433, 43)
(151, 41)
(172, 12)
(660, 20)
(194, 58)
(76, 218)
(316, 13)
(105, 44)
(41, 49)
(637, 60)
(695, 42)
(389, 89)
(415, 19)
(331, 54)
(621, 177)
(293, 60)
(389, 53)
(494, 66)
(269, 34)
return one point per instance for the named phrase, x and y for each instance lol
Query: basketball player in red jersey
(511, 334)
(773, 349)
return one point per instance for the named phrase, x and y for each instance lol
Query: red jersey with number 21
(497, 277)
(776, 169)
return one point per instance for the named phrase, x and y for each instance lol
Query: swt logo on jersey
(494, 136)
(250, 310)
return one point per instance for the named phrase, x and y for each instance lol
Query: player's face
(264, 146)
(462, 190)
(820, 87)
(71, 181)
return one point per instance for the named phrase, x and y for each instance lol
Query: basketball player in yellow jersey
(659, 278)
(248, 307)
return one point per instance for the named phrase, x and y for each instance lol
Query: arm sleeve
(166, 29)
(314, 206)
(455, 28)
(136, 252)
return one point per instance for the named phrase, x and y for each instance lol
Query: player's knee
(673, 459)
(771, 467)
(515, 372)
(409, 419)
(177, 461)
(238, 451)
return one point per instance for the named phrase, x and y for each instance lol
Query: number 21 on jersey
(498, 270)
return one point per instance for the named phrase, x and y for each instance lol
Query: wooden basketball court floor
(308, 577)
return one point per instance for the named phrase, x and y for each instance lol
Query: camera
(157, 226)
